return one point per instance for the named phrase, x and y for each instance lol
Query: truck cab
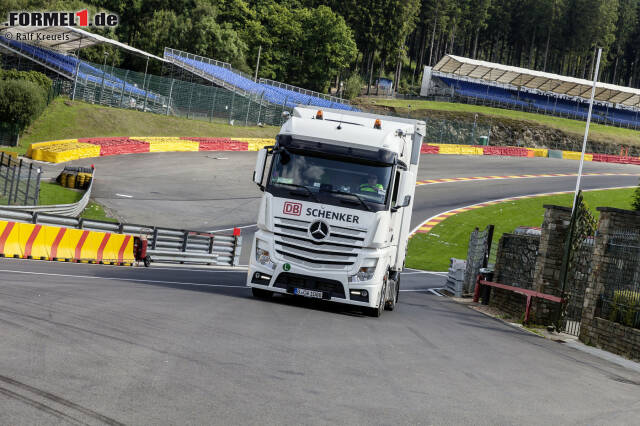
(334, 219)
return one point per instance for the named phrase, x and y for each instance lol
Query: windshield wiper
(295, 185)
(353, 195)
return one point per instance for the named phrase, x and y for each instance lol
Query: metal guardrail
(69, 210)
(164, 244)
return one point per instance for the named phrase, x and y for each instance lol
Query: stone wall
(612, 337)
(515, 265)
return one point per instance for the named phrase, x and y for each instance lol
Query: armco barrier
(164, 244)
(35, 241)
(69, 210)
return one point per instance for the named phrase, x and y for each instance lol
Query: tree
(21, 101)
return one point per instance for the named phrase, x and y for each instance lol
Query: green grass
(597, 132)
(52, 193)
(95, 211)
(64, 119)
(450, 238)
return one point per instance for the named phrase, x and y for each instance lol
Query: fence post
(283, 105)
(155, 238)
(122, 92)
(260, 107)
(15, 195)
(246, 119)
(13, 176)
(190, 97)
(36, 197)
(233, 98)
(169, 100)
(26, 193)
(213, 104)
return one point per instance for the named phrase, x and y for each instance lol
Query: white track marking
(540, 194)
(434, 291)
(121, 279)
(124, 195)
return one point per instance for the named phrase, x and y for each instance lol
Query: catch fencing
(19, 181)
(164, 244)
(621, 296)
(181, 94)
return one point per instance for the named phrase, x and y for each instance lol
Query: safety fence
(183, 94)
(164, 244)
(74, 149)
(19, 181)
(620, 299)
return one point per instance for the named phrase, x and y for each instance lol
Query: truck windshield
(342, 179)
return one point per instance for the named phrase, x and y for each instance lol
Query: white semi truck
(335, 216)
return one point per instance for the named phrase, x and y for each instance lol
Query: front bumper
(277, 284)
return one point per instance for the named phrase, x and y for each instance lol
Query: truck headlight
(366, 271)
(262, 255)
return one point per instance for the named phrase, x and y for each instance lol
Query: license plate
(308, 293)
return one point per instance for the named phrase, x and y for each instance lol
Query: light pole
(586, 130)
(104, 69)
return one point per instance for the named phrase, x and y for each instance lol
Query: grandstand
(222, 74)
(67, 66)
(496, 85)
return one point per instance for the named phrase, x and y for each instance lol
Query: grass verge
(52, 193)
(450, 238)
(65, 119)
(572, 127)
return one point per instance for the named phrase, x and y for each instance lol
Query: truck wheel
(147, 261)
(377, 312)
(261, 294)
(390, 304)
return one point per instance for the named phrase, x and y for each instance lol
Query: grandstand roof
(532, 79)
(66, 39)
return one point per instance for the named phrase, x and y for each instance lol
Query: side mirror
(258, 172)
(404, 191)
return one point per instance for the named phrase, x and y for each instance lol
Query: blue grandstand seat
(547, 103)
(275, 95)
(68, 64)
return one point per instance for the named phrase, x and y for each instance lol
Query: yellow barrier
(572, 155)
(539, 152)
(256, 144)
(456, 149)
(39, 145)
(12, 154)
(169, 144)
(59, 153)
(25, 240)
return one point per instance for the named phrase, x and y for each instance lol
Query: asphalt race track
(92, 344)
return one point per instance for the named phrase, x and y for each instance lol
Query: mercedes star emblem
(319, 230)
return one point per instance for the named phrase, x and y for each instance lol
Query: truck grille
(290, 281)
(339, 250)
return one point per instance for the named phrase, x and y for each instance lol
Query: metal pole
(37, 195)
(104, 66)
(26, 193)
(144, 82)
(586, 130)
(15, 194)
(260, 107)
(255, 79)
(13, 177)
(213, 104)
(246, 119)
(233, 98)
(169, 100)
(75, 79)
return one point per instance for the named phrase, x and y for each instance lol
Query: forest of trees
(315, 43)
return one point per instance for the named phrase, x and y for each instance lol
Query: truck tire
(147, 261)
(261, 294)
(377, 312)
(391, 304)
